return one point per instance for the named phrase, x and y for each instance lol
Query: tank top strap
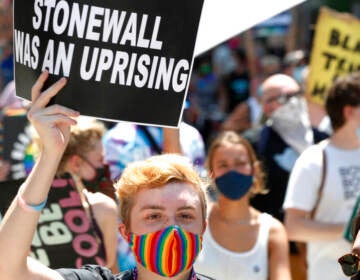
(95, 226)
(266, 221)
(91, 211)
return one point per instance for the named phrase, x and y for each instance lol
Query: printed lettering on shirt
(350, 178)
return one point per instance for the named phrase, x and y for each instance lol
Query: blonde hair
(83, 138)
(233, 138)
(156, 172)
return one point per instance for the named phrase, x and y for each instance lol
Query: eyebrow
(241, 159)
(186, 207)
(158, 207)
(152, 207)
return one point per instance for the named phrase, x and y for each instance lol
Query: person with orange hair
(163, 207)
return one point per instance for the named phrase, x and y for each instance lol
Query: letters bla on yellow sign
(336, 51)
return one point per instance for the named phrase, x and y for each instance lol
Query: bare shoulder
(101, 202)
(277, 231)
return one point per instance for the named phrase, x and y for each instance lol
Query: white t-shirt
(341, 189)
(219, 263)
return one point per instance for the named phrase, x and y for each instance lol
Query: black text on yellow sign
(336, 51)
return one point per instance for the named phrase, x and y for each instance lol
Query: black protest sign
(8, 191)
(124, 60)
(18, 146)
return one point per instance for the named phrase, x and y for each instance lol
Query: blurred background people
(10, 105)
(240, 242)
(338, 160)
(279, 142)
(82, 166)
(285, 134)
(127, 142)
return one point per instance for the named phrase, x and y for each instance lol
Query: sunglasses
(349, 264)
(282, 98)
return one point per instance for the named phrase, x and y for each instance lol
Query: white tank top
(222, 264)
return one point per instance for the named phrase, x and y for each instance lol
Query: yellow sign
(336, 51)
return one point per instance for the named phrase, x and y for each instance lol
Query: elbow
(111, 263)
(292, 228)
(291, 232)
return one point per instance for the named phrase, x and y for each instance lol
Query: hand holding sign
(52, 123)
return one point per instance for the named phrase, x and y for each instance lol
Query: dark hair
(345, 91)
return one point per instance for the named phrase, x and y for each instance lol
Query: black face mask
(101, 182)
(101, 179)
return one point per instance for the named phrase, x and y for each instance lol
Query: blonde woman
(240, 242)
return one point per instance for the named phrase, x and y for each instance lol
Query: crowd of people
(257, 182)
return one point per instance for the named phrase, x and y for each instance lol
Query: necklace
(251, 221)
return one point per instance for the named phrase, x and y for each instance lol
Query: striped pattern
(166, 252)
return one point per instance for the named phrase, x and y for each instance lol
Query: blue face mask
(234, 185)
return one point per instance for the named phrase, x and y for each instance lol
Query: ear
(74, 163)
(211, 174)
(348, 112)
(204, 227)
(123, 231)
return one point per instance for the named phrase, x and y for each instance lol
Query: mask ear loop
(89, 163)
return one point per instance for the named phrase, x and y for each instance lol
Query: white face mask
(291, 121)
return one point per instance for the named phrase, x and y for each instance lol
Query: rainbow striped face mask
(166, 252)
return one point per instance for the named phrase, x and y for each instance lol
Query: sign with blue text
(124, 60)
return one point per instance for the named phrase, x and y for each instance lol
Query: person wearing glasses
(278, 143)
(280, 140)
(163, 207)
(324, 184)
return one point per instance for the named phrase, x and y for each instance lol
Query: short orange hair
(156, 172)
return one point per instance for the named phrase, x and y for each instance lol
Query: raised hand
(51, 123)
(18, 227)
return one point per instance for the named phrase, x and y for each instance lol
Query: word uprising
(118, 47)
